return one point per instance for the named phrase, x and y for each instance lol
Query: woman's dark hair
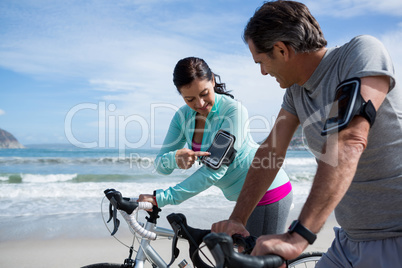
(287, 21)
(191, 68)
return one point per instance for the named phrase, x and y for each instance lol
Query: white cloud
(114, 85)
(352, 8)
(117, 48)
(392, 41)
(80, 39)
(2, 112)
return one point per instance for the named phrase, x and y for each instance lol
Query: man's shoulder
(364, 39)
(362, 42)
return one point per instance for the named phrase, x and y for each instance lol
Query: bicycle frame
(146, 250)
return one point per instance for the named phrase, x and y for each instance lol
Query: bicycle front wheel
(103, 265)
(306, 260)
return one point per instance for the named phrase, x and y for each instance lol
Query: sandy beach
(79, 251)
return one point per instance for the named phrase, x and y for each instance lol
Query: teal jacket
(226, 114)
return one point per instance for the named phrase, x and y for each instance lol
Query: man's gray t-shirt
(372, 207)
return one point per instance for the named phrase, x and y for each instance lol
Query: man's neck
(307, 63)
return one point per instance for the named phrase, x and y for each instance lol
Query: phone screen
(342, 107)
(338, 113)
(219, 148)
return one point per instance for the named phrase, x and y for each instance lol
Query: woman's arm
(199, 181)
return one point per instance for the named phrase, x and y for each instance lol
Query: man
(359, 173)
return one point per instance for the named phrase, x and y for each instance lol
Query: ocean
(53, 191)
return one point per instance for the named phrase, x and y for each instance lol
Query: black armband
(347, 104)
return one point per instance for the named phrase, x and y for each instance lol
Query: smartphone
(221, 149)
(346, 100)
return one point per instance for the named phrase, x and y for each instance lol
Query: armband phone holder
(347, 104)
(221, 149)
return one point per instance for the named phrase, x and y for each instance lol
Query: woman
(210, 108)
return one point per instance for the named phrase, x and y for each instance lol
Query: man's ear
(280, 49)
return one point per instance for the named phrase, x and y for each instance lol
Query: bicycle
(221, 246)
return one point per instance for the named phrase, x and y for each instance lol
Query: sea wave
(75, 178)
(33, 178)
(61, 198)
(300, 161)
(75, 161)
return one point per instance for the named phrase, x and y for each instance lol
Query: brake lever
(113, 215)
(110, 212)
(175, 251)
(116, 222)
(247, 243)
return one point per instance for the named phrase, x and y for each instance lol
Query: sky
(98, 73)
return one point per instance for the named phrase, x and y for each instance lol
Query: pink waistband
(276, 194)
(196, 146)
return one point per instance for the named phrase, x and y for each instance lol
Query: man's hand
(185, 158)
(288, 246)
(230, 227)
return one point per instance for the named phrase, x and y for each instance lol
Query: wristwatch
(297, 227)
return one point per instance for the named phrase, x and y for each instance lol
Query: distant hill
(7, 140)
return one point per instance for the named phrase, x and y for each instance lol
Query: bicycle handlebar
(221, 244)
(128, 208)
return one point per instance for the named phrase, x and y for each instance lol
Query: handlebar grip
(237, 260)
(145, 205)
(132, 222)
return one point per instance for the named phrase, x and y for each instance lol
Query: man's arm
(261, 173)
(331, 181)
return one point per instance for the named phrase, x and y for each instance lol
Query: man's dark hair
(287, 21)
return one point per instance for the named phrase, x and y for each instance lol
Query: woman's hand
(147, 198)
(185, 158)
